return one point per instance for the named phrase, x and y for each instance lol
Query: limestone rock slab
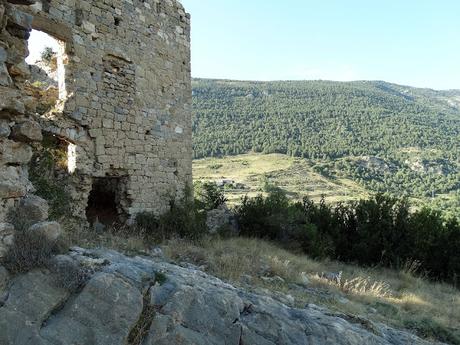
(188, 307)
(103, 313)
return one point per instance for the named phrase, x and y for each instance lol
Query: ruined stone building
(123, 102)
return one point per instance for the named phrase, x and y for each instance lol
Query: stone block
(27, 131)
(10, 103)
(19, 70)
(12, 152)
(11, 189)
(19, 19)
(35, 208)
(5, 130)
(5, 78)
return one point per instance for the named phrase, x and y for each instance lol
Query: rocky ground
(104, 297)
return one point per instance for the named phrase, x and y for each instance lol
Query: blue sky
(412, 42)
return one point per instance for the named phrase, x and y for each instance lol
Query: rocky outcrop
(142, 300)
(221, 219)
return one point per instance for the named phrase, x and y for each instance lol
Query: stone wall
(17, 128)
(125, 98)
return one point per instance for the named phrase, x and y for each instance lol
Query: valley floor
(247, 174)
(294, 175)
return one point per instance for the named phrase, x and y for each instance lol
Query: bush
(184, 219)
(30, 250)
(47, 54)
(209, 195)
(44, 173)
(379, 231)
(272, 217)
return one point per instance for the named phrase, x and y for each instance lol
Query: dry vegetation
(398, 298)
(120, 238)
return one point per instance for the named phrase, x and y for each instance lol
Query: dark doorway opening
(105, 202)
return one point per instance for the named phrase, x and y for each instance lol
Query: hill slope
(385, 136)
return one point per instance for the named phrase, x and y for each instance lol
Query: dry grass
(121, 238)
(398, 298)
(30, 250)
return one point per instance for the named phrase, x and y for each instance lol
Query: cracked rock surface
(147, 301)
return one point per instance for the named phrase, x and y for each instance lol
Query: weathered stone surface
(5, 78)
(28, 130)
(2, 50)
(2, 12)
(32, 298)
(10, 103)
(4, 129)
(12, 152)
(10, 189)
(14, 180)
(221, 219)
(34, 207)
(103, 313)
(19, 19)
(190, 307)
(19, 70)
(18, 48)
(51, 230)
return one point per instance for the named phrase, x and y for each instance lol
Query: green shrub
(209, 195)
(184, 219)
(379, 231)
(273, 217)
(160, 278)
(46, 165)
(58, 198)
(47, 54)
(215, 166)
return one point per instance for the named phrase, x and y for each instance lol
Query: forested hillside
(387, 137)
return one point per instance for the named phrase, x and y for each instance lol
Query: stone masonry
(124, 105)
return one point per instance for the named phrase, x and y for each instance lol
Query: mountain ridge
(412, 129)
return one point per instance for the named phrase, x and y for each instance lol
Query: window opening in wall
(106, 202)
(57, 153)
(47, 60)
